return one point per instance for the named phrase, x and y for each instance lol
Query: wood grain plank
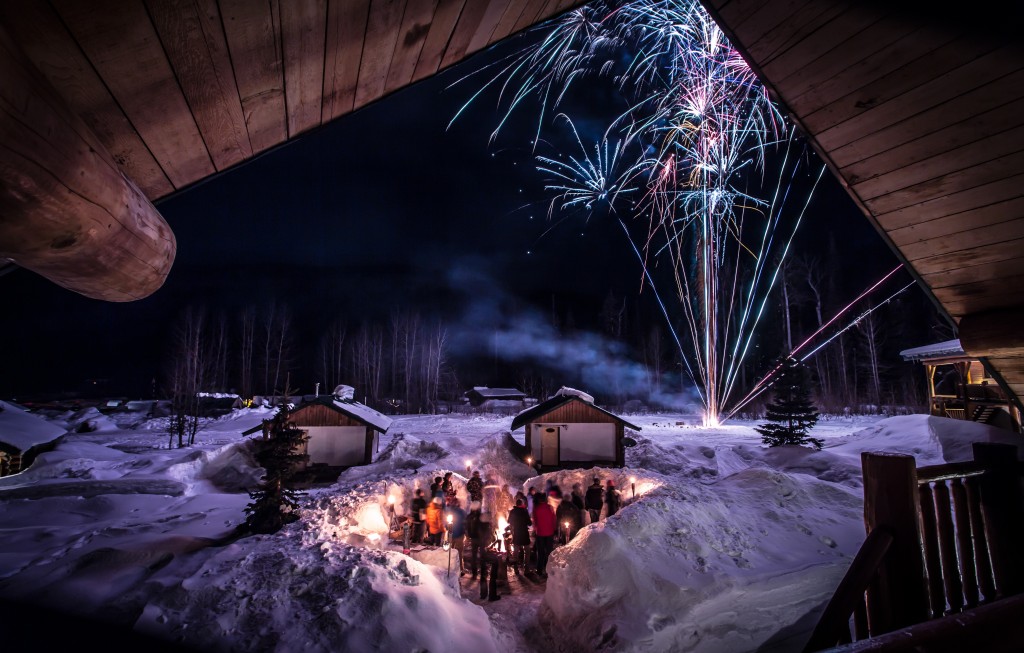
(303, 34)
(465, 28)
(995, 269)
(488, 23)
(984, 127)
(53, 51)
(865, 98)
(748, 15)
(193, 38)
(964, 86)
(441, 28)
(970, 239)
(894, 44)
(847, 37)
(253, 35)
(989, 294)
(506, 26)
(980, 162)
(530, 15)
(346, 31)
(973, 198)
(951, 112)
(793, 29)
(1003, 250)
(958, 223)
(411, 37)
(961, 180)
(378, 48)
(126, 52)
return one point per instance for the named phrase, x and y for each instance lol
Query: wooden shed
(342, 432)
(959, 386)
(22, 437)
(569, 430)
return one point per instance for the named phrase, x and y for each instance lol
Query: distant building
(569, 430)
(23, 436)
(482, 397)
(959, 388)
(342, 432)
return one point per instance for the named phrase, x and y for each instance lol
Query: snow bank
(24, 430)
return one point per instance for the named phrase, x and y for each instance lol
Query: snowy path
(515, 613)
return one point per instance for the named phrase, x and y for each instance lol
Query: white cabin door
(549, 445)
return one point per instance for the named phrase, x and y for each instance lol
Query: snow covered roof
(24, 430)
(560, 399)
(947, 348)
(497, 393)
(362, 413)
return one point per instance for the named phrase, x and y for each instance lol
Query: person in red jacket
(544, 528)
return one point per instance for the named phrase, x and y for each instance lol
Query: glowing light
(391, 500)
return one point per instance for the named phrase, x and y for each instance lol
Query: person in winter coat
(531, 497)
(435, 488)
(519, 521)
(457, 530)
(544, 529)
(449, 488)
(567, 513)
(611, 497)
(419, 515)
(577, 497)
(594, 500)
(435, 521)
(475, 532)
(475, 487)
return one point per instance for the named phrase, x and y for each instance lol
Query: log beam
(66, 211)
(993, 334)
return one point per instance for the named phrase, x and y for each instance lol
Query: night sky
(384, 208)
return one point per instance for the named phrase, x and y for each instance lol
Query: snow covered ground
(728, 546)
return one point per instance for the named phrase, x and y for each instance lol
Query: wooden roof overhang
(170, 92)
(919, 111)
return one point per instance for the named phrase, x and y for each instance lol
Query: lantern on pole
(566, 532)
(469, 467)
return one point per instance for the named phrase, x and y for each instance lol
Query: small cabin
(341, 431)
(569, 430)
(23, 436)
(960, 388)
(482, 396)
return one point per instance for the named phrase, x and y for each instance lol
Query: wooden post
(965, 543)
(1002, 509)
(929, 530)
(66, 211)
(898, 597)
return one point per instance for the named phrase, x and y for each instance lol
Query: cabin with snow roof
(341, 431)
(959, 386)
(23, 436)
(569, 430)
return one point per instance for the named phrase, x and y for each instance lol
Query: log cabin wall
(920, 114)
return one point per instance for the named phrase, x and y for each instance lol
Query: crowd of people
(538, 520)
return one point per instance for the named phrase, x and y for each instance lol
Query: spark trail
(699, 159)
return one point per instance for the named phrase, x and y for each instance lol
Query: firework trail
(686, 157)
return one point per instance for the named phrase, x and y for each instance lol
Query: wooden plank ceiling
(920, 113)
(180, 89)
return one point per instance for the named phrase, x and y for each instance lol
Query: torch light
(393, 526)
(469, 466)
(529, 461)
(566, 532)
(448, 538)
(632, 483)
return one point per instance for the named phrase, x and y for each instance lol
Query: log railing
(951, 539)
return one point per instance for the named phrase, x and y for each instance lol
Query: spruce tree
(792, 413)
(274, 504)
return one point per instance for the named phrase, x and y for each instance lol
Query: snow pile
(566, 391)
(690, 566)
(728, 546)
(344, 392)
